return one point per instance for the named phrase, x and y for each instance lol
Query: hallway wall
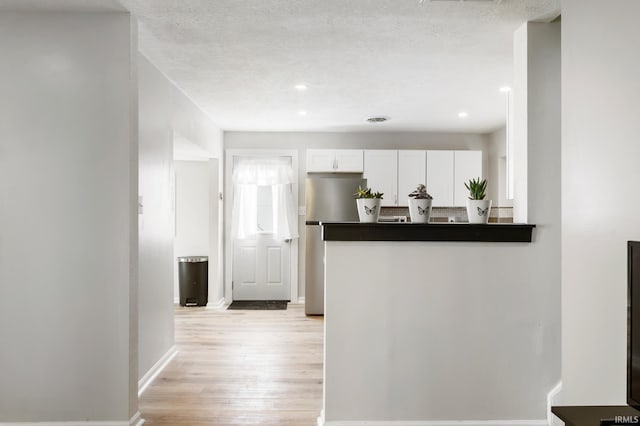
(164, 113)
(155, 217)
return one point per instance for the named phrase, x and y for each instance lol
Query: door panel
(274, 265)
(245, 264)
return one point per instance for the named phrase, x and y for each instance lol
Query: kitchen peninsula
(433, 322)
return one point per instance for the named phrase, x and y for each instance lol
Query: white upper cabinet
(381, 172)
(334, 160)
(321, 160)
(396, 173)
(349, 160)
(447, 172)
(440, 177)
(411, 173)
(467, 165)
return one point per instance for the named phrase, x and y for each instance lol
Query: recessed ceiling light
(300, 87)
(505, 89)
(302, 113)
(377, 119)
(463, 114)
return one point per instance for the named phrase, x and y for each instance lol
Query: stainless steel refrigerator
(329, 199)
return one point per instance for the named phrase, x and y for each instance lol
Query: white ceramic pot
(478, 211)
(419, 210)
(368, 209)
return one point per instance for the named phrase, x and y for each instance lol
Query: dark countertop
(591, 416)
(385, 231)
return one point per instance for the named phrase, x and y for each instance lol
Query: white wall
(496, 176)
(362, 140)
(544, 173)
(196, 191)
(520, 122)
(68, 242)
(600, 175)
(164, 113)
(156, 221)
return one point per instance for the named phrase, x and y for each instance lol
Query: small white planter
(419, 210)
(368, 209)
(478, 211)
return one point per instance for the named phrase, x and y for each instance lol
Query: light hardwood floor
(240, 368)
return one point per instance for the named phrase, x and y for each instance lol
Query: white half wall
(442, 342)
(68, 220)
(600, 200)
(302, 141)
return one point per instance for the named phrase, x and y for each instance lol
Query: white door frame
(228, 206)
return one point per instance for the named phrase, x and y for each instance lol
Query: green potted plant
(478, 208)
(368, 204)
(420, 205)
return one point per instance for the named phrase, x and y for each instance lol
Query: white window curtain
(248, 175)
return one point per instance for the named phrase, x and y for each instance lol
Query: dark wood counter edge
(591, 415)
(456, 232)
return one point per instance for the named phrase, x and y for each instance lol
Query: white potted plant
(368, 204)
(420, 205)
(478, 209)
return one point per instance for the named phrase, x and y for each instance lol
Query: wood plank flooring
(240, 368)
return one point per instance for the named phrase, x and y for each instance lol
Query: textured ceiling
(419, 64)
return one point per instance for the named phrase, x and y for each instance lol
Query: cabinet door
(440, 177)
(321, 160)
(381, 172)
(349, 160)
(412, 171)
(467, 165)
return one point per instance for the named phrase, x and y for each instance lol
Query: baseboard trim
(434, 423)
(136, 420)
(153, 372)
(219, 304)
(300, 300)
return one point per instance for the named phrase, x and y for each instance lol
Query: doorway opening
(196, 215)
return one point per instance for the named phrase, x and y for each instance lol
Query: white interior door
(261, 265)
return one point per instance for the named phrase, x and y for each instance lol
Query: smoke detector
(377, 119)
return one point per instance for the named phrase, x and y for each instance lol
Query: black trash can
(193, 273)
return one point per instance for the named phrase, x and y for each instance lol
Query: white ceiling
(419, 64)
